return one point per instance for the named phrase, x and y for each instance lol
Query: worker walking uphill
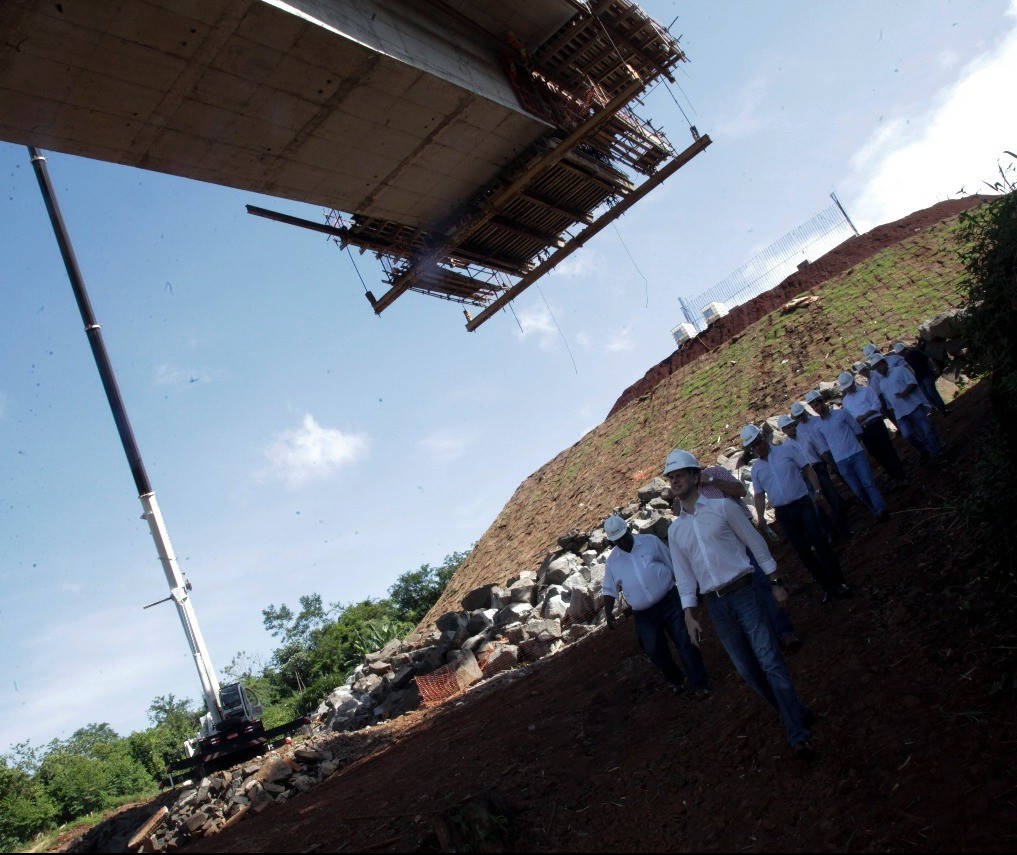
(926, 371)
(715, 482)
(900, 389)
(780, 472)
(708, 542)
(866, 406)
(641, 566)
(806, 443)
(842, 430)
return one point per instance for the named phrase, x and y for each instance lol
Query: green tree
(25, 809)
(173, 723)
(90, 770)
(289, 627)
(415, 591)
(339, 647)
(989, 233)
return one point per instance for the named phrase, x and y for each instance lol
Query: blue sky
(299, 444)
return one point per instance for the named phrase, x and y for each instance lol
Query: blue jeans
(928, 386)
(749, 639)
(777, 615)
(800, 523)
(921, 428)
(856, 471)
(876, 439)
(666, 619)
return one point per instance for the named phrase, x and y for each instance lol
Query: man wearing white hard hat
(806, 443)
(779, 473)
(715, 482)
(926, 371)
(708, 542)
(640, 565)
(867, 409)
(900, 389)
(841, 430)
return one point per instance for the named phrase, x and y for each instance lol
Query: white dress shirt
(809, 430)
(805, 446)
(841, 430)
(861, 401)
(897, 380)
(644, 574)
(708, 548)
(780, 475)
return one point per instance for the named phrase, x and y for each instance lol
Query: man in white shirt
(641, 566)
(708, 542)
(867, 408)
(806, 443)
(779, 472)
(841, 431)
(900, 389)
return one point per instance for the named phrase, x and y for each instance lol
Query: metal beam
(576, 242)
(503, 196)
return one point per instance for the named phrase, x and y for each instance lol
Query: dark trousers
(835, 500)
(800, 523)
(666, 619)
(876, 439)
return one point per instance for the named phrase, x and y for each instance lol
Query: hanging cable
(646, 281)
(514, 315)
(361, 278)
(669, 92)
(555, 321)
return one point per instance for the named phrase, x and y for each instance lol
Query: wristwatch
(777, 581)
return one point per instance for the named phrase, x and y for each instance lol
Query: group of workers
(715, 552)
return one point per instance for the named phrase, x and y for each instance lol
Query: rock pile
(941, 341)
(532, 614)
(222, 799)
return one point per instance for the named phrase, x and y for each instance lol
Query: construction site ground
(590, 750)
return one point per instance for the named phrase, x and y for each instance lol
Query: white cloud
(912, 163)
(621, 341)
(536, 320)
(174, 375)
(746, 116)
(104, 661)
(444, 446)
(311, 453)
(581, 263)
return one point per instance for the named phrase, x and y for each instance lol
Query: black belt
(732, 586)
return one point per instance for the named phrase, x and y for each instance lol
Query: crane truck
(233, 721)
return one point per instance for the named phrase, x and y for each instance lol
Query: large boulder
(946, 325)
(653, 490)
(556, 603)
(500, 658)
(525, 591)
(583, 606)
(478, 598)
(574, 541)
(512, 613)
(559, 569)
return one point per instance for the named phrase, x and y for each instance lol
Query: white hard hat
(749, 434)
(812, 396)
(784, 420)
(679, 459)
(845, 380)
(859, 367)
(899, 347)
(875, 359)
(797, 409)
(869, 349)
(615, 527)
